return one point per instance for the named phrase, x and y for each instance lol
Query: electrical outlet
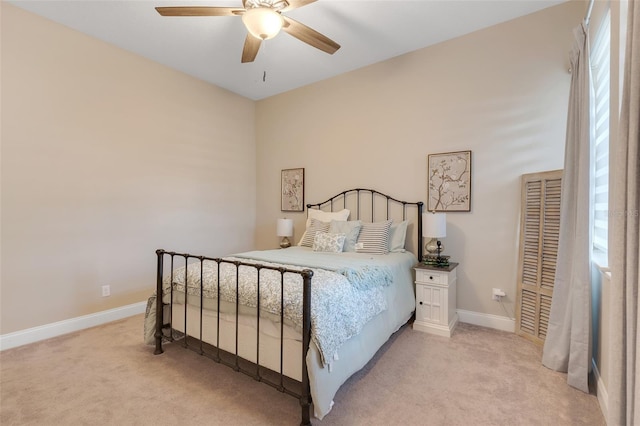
(497, 294)
(106, 291)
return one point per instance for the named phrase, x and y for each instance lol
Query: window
(600, 59)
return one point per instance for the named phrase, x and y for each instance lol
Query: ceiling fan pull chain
(264, 61)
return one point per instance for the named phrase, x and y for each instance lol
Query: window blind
(600, 59)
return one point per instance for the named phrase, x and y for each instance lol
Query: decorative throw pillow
(397, 236)
(351, 229)
(309, 235)
(322, 216)
(374, 238)
(324, 241)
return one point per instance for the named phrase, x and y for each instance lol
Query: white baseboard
(35, 334)
(487, 320)
(601, 391)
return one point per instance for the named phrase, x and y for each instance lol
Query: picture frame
(449, 182)
(292, 190)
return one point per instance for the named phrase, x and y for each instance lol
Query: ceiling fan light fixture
(262, 22)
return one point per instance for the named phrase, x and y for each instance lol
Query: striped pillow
(323, 216)
(374, 238)
(314, 227)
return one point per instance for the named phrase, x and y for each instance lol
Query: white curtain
(624, 386)
(567, 345)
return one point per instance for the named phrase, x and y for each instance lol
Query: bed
(301, 319)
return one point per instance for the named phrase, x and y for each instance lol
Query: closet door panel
(539, 232)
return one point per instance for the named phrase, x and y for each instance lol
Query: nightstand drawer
(426, 276)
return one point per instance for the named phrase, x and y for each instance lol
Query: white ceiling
(209, 48)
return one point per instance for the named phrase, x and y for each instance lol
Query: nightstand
(436, 299)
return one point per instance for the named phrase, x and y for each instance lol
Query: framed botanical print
(292, 190)
(449, 182)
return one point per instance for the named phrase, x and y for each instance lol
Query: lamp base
(285, 242)
(433, 245)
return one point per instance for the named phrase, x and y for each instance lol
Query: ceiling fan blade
(294, 4)
(198, 11)
(309, 36)
(251, 47)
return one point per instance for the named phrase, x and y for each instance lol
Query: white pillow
(374, 238)
(323, 216)
(324, 241)
(397, 236)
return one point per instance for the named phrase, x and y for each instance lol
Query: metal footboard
(282, 383)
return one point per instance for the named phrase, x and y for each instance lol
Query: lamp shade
(262, 22)
(434, 225)
(285, 228)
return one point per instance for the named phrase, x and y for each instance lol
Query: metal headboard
(344, 200)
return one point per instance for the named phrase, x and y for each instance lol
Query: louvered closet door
(539, 232)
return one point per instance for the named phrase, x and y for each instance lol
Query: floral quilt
(343, 300)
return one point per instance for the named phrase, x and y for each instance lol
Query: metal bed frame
(300, 390)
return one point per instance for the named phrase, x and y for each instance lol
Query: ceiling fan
(264, 20)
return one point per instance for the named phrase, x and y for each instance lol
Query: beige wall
(103, 150)
(107, 156)
(501, 92)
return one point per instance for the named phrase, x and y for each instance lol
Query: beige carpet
(107, 376)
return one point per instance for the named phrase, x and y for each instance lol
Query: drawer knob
(421, 303)
(431, 277)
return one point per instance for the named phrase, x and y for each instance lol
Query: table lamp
(284, 229)
(434, 226)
